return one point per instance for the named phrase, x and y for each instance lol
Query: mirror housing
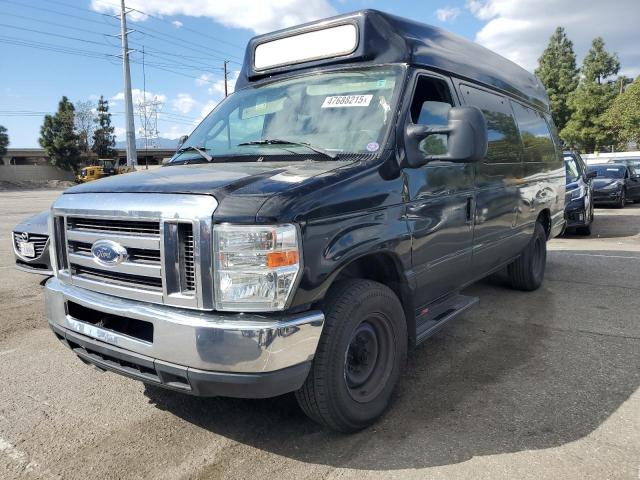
(181, 141)
(467, 138)
(591, 175)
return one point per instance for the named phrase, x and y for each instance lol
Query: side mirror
(181, 141)
(466, 138)
(591, 175)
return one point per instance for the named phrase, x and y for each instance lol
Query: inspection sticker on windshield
(340, 101)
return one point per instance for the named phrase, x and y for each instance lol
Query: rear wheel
(527, 271)
(359, 358)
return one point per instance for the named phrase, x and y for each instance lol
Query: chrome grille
(166, 240)
(187, 260)
(39, 242)
(115, 226)
(119, 278)
(142, 268)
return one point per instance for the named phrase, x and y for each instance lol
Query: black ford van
(318, 223)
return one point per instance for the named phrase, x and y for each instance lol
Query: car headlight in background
(611, 186)
(576, 193)
(256, 266)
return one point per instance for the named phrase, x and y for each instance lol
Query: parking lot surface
(525, 385)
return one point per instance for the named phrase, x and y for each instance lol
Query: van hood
(218, 179)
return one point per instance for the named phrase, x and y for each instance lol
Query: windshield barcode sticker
(347, 101)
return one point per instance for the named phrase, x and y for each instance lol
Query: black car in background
(615, 184)
(632, 162)
(579, 194)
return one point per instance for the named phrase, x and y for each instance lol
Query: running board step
(441, 313)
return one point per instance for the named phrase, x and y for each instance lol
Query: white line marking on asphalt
(7, 352)
(605, 256)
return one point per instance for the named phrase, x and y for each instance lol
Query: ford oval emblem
(108, 253)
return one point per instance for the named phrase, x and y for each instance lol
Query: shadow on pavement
(521, 371)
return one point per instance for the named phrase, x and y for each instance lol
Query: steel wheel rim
(368, 358)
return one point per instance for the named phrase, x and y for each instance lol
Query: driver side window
(430, 107)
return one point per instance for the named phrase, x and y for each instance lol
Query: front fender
(331, 244)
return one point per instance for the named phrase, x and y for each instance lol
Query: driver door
(441, 200)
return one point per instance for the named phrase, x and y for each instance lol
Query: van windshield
(336, 112)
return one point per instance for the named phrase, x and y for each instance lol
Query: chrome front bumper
(200, 341)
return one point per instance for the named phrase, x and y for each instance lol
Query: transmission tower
(148, 113)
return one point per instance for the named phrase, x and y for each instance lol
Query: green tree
(558, 73)
(585, 129)
(623, 116)
(599, 65)
(58, 136)
(103, 138)
(4, 141)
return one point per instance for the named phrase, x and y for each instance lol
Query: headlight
(256, 267)
(576, 193)
(611, 186)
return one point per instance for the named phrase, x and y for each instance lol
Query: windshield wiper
(200, 150)
(278, 141)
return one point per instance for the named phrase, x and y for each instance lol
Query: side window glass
(573, 173)
(430, 107)
(504, 141)
(536, 137)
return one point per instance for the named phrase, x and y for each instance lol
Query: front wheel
(623, 199)
(527, 271)
(359, 357)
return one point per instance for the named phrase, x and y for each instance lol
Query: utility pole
(132, 159)
(225, 77)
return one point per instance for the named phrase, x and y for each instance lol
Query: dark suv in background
(579, 194)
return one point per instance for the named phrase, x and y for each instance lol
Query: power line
(102, 44)
(56, 24)
(55, 12)
(156, 53)
(40, 32)
(161, 19)
(139, 28)
(88, 54)
(163, 117)
(54, 48)
(194, 46)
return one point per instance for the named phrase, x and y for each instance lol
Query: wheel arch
(383, 267)
(544, 218)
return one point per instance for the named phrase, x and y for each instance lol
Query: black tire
(623, 199)
(527, 271)
(345, 390)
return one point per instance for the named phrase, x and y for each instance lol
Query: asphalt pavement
(525, 385)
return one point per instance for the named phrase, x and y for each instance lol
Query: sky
(51, 48)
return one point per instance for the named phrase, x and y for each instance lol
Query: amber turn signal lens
(282, 259)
